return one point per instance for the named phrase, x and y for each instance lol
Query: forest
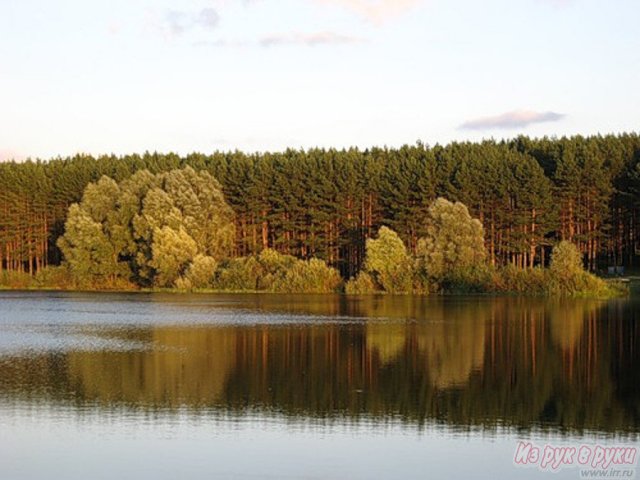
(529, 194)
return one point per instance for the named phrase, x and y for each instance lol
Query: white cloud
(223, 43)
(178, 22)
(556, 3)
(514, 119)
(375, 11)
(308, 39)
(314, 39)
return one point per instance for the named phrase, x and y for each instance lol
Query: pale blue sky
(127, 76)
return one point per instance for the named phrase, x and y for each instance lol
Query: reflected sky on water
(271, 385)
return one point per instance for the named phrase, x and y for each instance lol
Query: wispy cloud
(223, 43)
(514, 119)
(375, 11)
(556, 3)
(177, 22)
(114, 28)
(299, 39)
(308, 39)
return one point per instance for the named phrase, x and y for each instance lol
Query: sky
(126, 76)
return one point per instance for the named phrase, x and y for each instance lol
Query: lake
(155, 386)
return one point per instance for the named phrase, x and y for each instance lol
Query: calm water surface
(320, 387)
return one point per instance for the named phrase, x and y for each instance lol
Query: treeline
(528, 194)
(175, 230)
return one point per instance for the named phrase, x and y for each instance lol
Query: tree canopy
(148, 229)
(453, 240)
(528, 193)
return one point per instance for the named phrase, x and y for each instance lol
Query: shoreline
(174, 291)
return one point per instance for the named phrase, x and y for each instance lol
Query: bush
(274, 262)
(567, 276)
(184, 284)
(274, 267)
(423, 285)
(275, 272)
(200, 274)
(566, 264)
(361, 284)
(470, 279)
(311, 276)
(61, 278)
(239, 274)
(15, 280)
(531, 281)
(54, 277)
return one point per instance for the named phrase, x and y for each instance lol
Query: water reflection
(565, 366)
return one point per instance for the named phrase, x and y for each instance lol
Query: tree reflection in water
(567, 365)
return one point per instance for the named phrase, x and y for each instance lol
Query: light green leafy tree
(201, 272)
(90, 244)
(273, 267)
(154, 225)
(309, 276)
(172, 252)
(567, 276)
(276, 272)
(566, 261)
(388, 262)
(238, 274)
(205, 213)
(453, 244)
(360, 284)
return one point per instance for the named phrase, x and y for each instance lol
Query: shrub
(239, 274)
(361, 284)
(61, 278)
(311, 276)
(201, 272)
(470, 279)
(564, 277)
(274, 267)
(184, 284)
(566, 263)
(531, 281)
(15, 280)
(567, 276)
(54, 277)
(274, 262)
(275, 272)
